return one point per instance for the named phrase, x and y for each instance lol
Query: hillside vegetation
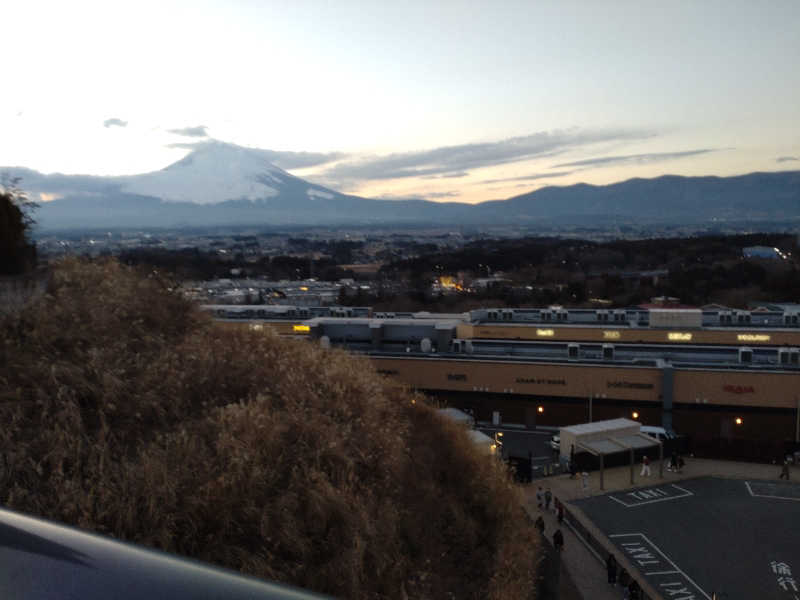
(128, 412)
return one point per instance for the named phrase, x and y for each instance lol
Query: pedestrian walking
(560, 513)
(624, 579)
(634, 590)
(611, 569)
(548, 498)
(539, 524)
(540, 498)
(558, 540)
(645, 466)
(785, 470)
(673, 462)
(680, 463)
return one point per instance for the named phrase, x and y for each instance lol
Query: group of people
(676, 464)
(617, 575)
(544, 498)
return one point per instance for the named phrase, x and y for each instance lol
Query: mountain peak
(213, 172)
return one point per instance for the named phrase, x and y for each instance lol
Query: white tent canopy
(602, 438)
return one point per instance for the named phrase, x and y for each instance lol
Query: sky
(452, 101)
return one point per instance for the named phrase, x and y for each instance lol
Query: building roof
(609, 426)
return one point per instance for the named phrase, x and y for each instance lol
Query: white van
(659, 433)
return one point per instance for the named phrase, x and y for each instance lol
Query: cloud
(114, 123)
(635, 158)
(197, 131)
(530, 177)
(455, 160)
(301, 160)
(782, 159)
(280, 158)
(448, 175)
(442, 195)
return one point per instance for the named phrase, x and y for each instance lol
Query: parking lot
(697, 537)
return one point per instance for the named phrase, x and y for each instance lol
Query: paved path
(587, 572)
(586, 568)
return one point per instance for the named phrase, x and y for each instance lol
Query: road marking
(641, 555)
(754, 495)
(652, 495)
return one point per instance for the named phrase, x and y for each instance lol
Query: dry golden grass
(128, 412)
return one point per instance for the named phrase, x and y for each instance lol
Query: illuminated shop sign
(301, 328)
(545, 332)
(678, 336)
(752, 337)
(611, 335)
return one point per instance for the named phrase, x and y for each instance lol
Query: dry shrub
(127, 412)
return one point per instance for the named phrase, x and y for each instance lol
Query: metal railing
(44, 560)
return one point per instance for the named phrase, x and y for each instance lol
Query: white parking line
(666, 558)
(685, 494)
(754, 495)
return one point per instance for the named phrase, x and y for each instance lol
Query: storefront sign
(629, 385)
(739, 389)
(541, 381)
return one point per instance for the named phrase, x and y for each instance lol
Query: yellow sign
(611, 335)
(301, 328)
(545, 332)
(752, 337)
(675, 336)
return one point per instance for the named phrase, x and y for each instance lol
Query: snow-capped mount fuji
(215, 172)
(217, 183)
(220, 184)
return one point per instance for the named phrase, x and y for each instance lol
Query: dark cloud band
(635, 158)
(197, 131)
(456, 160)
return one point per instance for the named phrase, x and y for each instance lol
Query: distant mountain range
(220, 184)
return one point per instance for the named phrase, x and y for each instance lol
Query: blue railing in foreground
(44, 560)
